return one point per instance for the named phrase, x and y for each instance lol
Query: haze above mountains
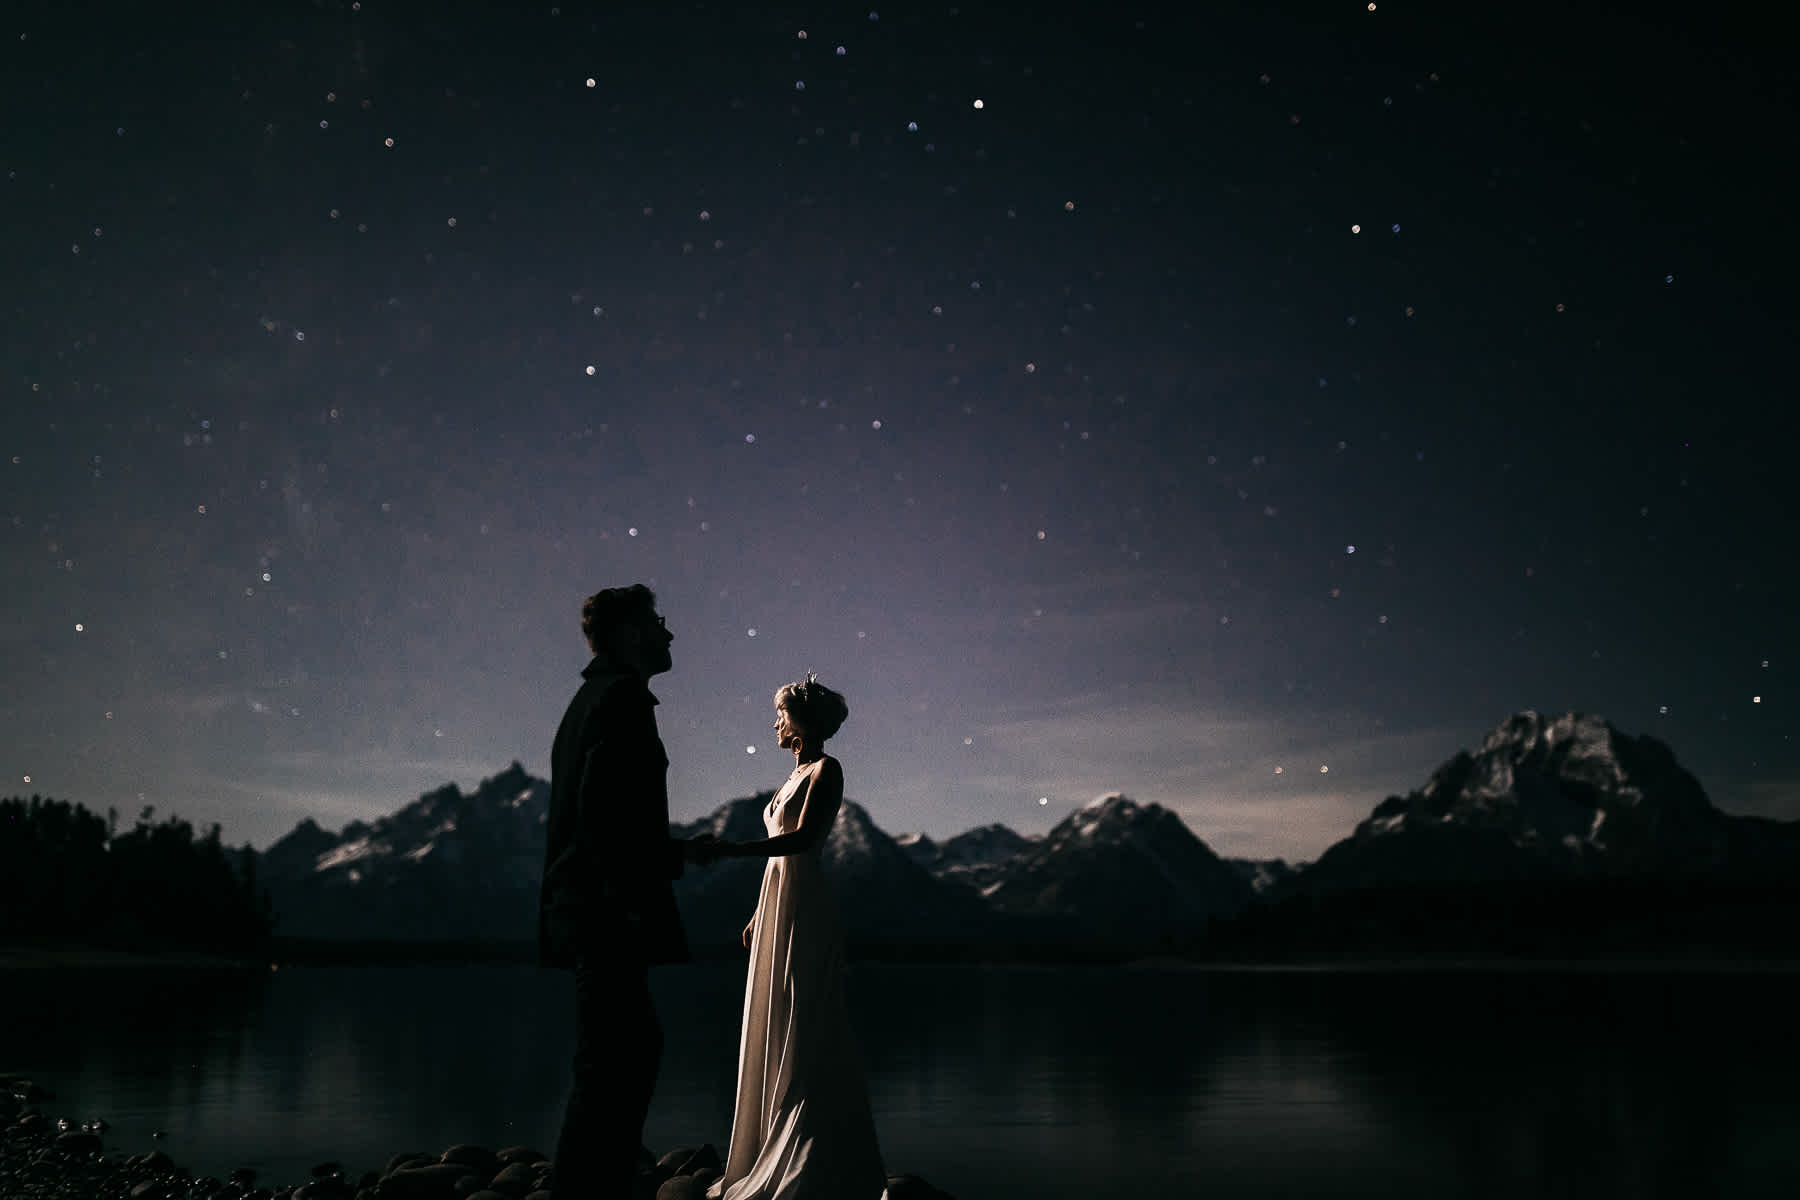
(1543, 803)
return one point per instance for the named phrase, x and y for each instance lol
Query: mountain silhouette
(450, 866)
(1116, 871)
(466, 867)
(1559, 835)
(1542, 798)
(1557, 830)
(975, 858)
(884, 896)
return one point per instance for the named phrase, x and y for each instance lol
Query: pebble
(55, 1159)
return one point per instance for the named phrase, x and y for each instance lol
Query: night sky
(1243, 410)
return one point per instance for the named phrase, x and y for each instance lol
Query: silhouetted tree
(68, 874)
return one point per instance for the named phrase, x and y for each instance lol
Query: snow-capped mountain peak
(1116, 868)
(438, 862)
(1113, 816)
(1567, 791)
(975, 857)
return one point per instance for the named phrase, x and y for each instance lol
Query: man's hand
(702, 851)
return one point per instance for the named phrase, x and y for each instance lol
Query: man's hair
(815, 708)
(609, 608)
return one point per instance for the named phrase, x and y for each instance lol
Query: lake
(1053, 1083)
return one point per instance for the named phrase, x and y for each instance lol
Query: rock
(333, 1187)
(672, 1159)
(44, 1167)
(77, 1142)
(514, 1180)
(409, 1158)
(681, 1187)
(434, 1181)
(483, 1161)
(685, 1160)
(645, 1186)
(48, 1161)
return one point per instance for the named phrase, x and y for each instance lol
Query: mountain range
(1563, 798)
(1544, 802)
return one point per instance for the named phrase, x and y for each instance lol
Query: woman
(803, 1128)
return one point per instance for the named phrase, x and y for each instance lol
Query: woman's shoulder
(823, 767)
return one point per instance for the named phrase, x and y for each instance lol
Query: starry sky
(1242, 409)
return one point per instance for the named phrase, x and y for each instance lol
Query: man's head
(621, 625)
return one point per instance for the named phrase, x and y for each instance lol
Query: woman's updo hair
(815, 708)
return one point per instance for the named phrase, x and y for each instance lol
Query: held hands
(703, 850)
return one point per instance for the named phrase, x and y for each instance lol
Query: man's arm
(665, 857)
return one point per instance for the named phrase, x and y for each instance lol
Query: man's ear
(625, 641)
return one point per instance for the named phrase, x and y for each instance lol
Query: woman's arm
(824, 796)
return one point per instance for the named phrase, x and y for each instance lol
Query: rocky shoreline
(52, 1158)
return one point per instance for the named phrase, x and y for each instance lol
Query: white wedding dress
(803, 1129)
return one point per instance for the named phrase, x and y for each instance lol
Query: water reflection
(993, 1082)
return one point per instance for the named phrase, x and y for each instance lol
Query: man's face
(655, 643)
(640, 646)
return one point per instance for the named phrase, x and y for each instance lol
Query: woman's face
(787, 735)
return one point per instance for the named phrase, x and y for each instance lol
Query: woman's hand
(748, 930)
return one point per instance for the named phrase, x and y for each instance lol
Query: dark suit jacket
(609, 861)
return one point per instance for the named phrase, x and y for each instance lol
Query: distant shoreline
(37, 957)
(311, 953)
(1722, 964)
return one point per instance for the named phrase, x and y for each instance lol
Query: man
(607, 908)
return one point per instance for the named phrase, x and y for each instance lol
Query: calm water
(1046, 1083)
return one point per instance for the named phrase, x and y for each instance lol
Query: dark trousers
(618, 1047)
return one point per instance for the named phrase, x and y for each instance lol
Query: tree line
(70, 875)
